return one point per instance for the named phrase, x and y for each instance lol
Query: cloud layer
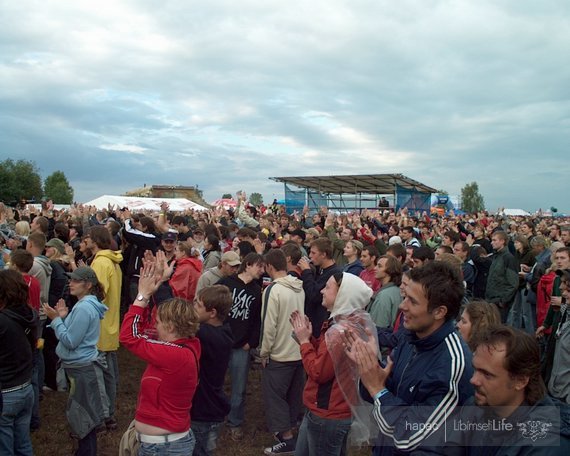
(224, 95)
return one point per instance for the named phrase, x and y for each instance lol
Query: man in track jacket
(428, 372)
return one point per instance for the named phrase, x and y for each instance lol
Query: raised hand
(163, 271)
(149, 257)
(148, 282)
(61, 308)
(258, 246)
(302, 327)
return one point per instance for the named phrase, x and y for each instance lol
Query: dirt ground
(53, 437)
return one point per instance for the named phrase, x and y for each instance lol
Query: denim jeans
(88, 445)
(15, 422)
(182, 447)
(110, 366)
(238, 369)
(206, 434)
(35, 421)
(322, 436)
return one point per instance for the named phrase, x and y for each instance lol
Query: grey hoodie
(41, 270)
(282, 297)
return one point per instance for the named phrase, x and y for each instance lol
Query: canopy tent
(515, 212)
(226, 203)
(57, 207)
(143, 204)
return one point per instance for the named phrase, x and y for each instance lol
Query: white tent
(515, 212)
(143, 204)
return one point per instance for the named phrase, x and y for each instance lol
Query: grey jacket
(559, 384)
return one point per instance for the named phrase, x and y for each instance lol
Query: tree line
(20, 181)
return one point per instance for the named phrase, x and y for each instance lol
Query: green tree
(57, 188)
(471, 200)
(256, 199)
(227, 196)
(19, 180)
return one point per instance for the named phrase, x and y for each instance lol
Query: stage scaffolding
(355, 192)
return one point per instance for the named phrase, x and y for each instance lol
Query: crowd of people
(374, 326)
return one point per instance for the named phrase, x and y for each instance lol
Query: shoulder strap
(265, 302)
(195, 359)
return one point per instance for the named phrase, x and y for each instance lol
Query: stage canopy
(145, 204)
(355, 192)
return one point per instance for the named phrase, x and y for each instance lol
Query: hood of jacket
(193, 262)
(290, 282)
(115, 257)
(99, 307)
(353, 294)
(23, 315)
(44, 263)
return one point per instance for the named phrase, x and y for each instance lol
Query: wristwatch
(141, 298)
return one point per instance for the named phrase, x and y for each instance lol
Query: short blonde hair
(180, 314)
(452, 260)
(483, 315)
(188, 249)
(22, 228)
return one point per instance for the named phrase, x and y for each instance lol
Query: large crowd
(375, 327)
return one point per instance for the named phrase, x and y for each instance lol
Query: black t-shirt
(245, 313)
(210, 403)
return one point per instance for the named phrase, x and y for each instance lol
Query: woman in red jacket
(187, 271)
(162, 418)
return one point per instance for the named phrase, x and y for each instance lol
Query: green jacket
(503, 278)
(338, 246)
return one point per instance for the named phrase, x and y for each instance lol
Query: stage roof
(378, 184)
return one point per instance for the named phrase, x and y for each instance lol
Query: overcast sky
(224, 94)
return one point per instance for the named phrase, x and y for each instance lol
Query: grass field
(53, 437)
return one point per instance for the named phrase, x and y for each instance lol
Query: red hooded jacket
(185, 278)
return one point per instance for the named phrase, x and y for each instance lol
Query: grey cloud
(220, 93)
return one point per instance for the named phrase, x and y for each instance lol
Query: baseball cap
(170, 236)
(299, 232)
(313, 231)
(395, 240)
(359, 246)
(56, 244)
(231, 258)
(84, 274)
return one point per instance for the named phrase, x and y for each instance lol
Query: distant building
(169, 191)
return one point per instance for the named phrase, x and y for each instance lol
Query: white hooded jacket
(286, 295)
